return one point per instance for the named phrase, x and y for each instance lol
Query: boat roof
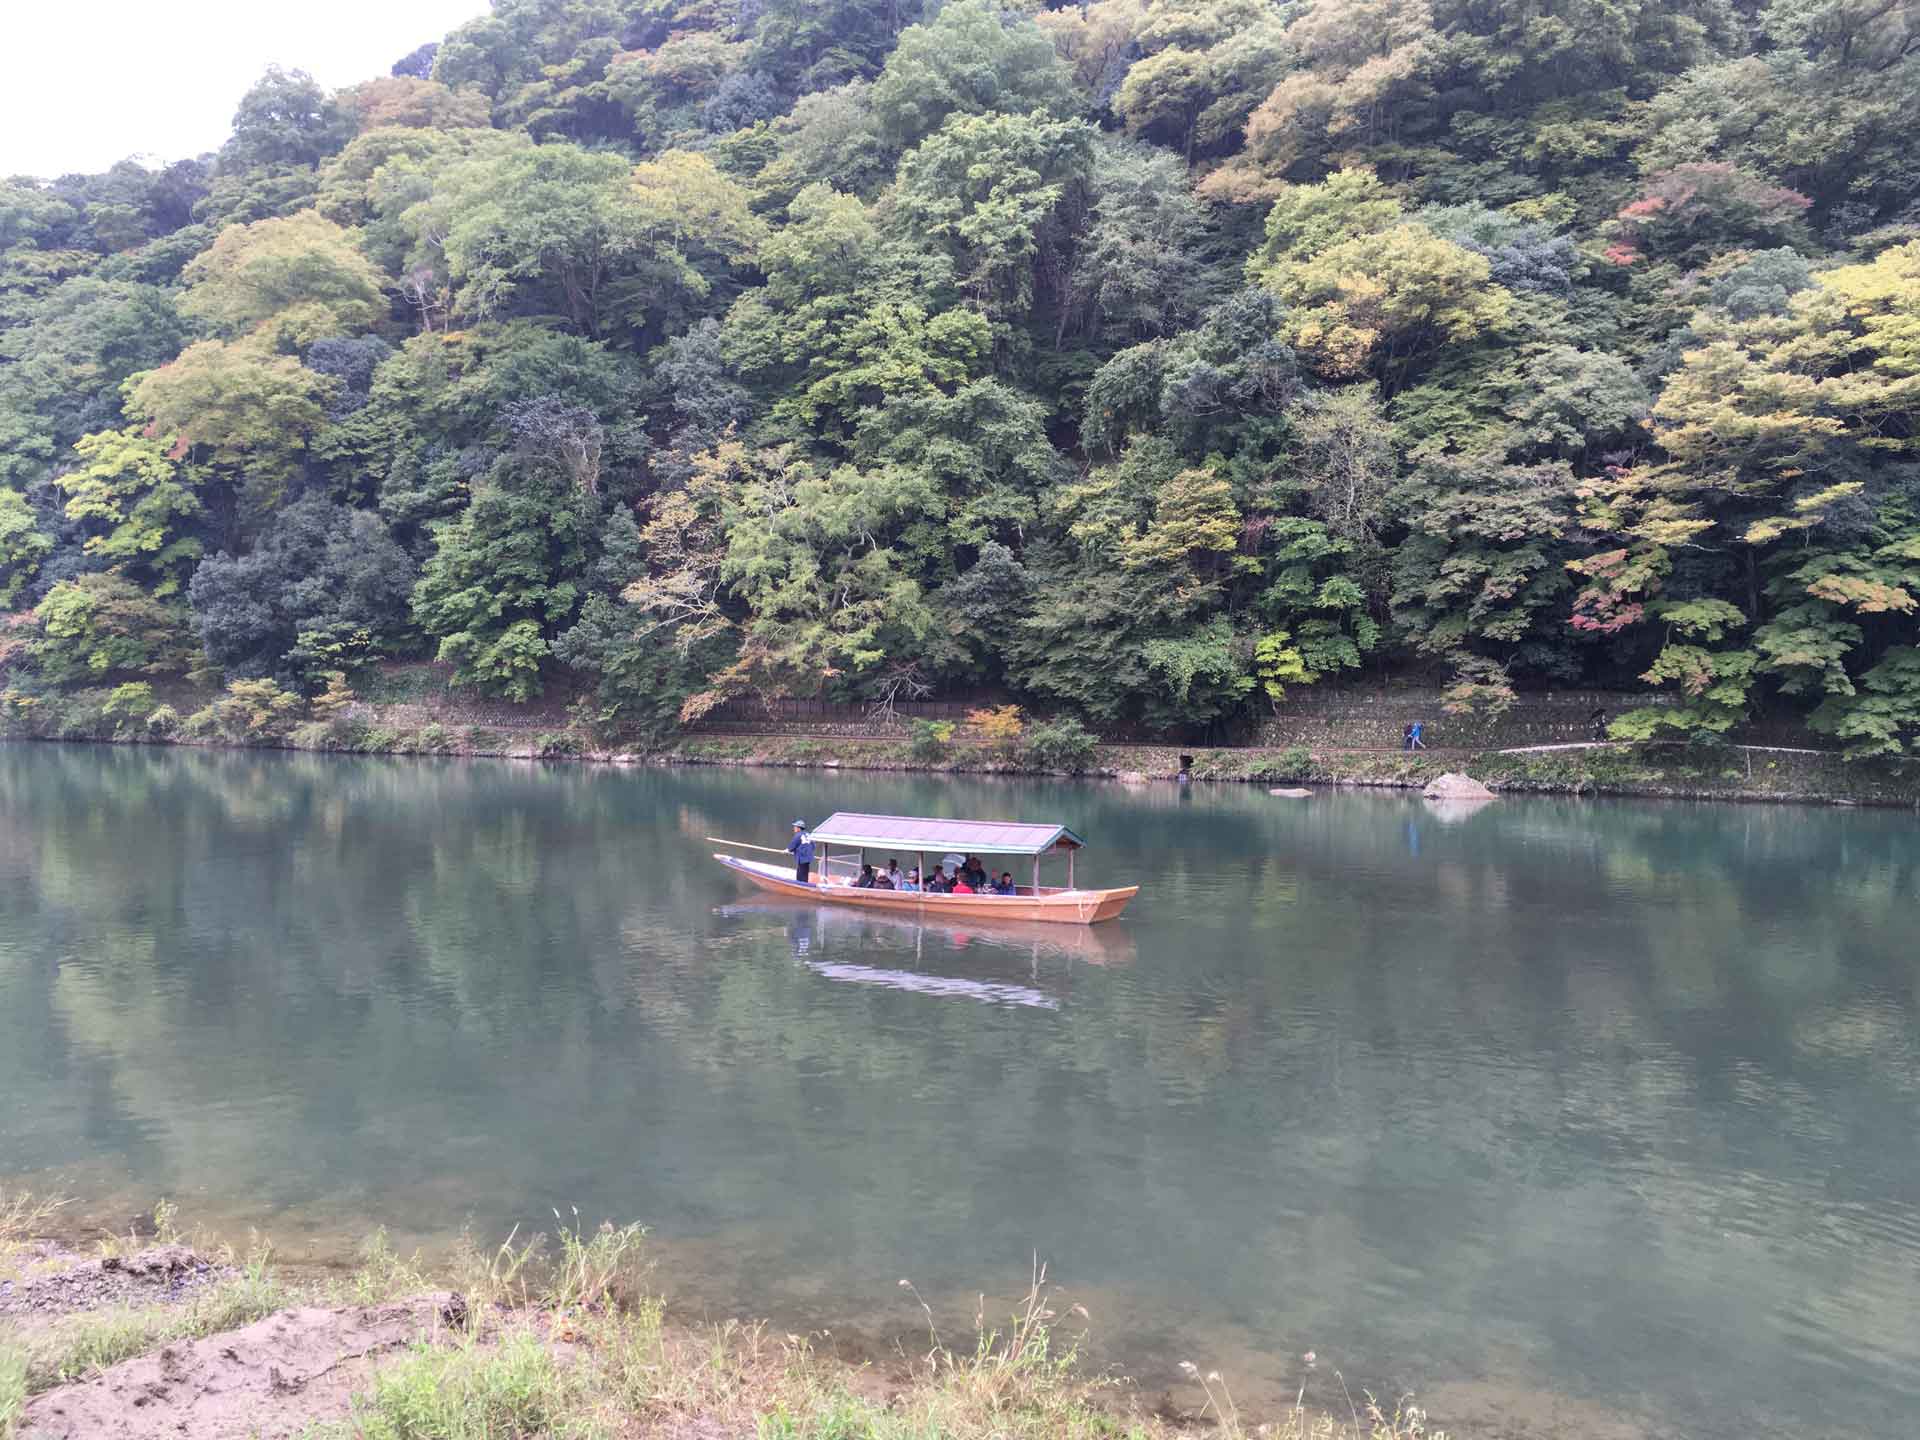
(910, 832)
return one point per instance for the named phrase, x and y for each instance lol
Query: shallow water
(1575, 1117)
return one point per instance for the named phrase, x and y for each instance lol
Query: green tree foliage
(972, 59)
(1144, 360)
(414, 102)
(1369, 291)
(22, 546)
(506, 576)
(554, 230)
(235, 407)
(136, 507)
(352, 581)
(105, 625)
(286, 283)
(61, 369)
(998, 195)
(1140, 268)
(285, 119)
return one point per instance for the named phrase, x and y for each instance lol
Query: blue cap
(799, 824)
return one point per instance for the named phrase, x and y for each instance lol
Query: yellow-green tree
(136, 502)
(284, 283)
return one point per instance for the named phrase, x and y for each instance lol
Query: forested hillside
(1140, 360)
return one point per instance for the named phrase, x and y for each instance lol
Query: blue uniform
(801, 848)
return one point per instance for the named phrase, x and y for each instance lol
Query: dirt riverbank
(188, 1340)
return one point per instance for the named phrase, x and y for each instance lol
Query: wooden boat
(904, 835)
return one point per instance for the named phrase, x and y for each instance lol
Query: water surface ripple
(1575, 1117)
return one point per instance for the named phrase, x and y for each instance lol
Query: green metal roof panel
(912, 833)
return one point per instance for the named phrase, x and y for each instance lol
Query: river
(1574, 1117)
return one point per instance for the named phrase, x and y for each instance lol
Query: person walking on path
(1414, 742)
(1406, 736)
(801, 848)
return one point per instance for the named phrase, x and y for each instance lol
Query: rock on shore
(1454, 786)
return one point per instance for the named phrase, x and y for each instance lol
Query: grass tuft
(24, 1215)
(606, 1268)
(383, 1274)
(13, 1384)
(470, 1392)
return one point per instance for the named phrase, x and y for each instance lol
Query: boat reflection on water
(988, 992)
(1002, 964)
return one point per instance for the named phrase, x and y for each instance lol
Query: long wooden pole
(743, 845)
(825, 861)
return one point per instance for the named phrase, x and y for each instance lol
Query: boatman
(801, 847)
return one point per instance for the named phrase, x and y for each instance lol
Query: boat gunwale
(1079, 905)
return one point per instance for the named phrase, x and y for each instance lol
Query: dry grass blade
(23, 1216)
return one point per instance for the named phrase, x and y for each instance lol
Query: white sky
(84, 83)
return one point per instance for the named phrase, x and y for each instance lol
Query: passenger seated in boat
(937, 882)
(883, 881)
(911, 881)
(1004, 885)
(975, 873)
(960, 885)
(893, 874)
(865, 882)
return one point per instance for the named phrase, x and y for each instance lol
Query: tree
(414, 101)
(1692, 212)
(1164, 94)
(505, 577)
(1364, 61)
(665, 90)
(1370, 295)
(648, 661)
(830, 138)
(1140, 269)
(849, 317)
(972, 59)
(1345, 462)
(997, 193)
(983, 448)
(1222, 386)
(1771, 430)
(238, 408)
(807, 45)
(323, 588)
(808, 556)
(545, 224)
(284, 282)
(100, 626)
(1479, 570)
(62, 367)
(417, 63)
(22, 546)
(137, 508)
(555, 229)
(285, 119)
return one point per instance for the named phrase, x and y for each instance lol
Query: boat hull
(1054, 907)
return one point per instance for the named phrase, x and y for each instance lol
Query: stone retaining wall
(1351, 718)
